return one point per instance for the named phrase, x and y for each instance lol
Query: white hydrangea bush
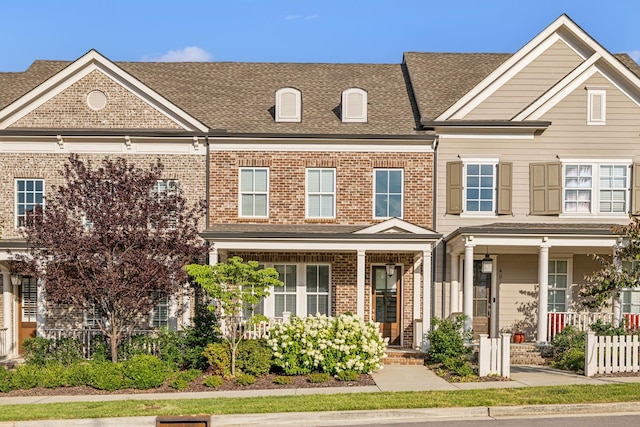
(327, 344)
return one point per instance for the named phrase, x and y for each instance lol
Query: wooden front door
(386, 294)
(481, 300)
(27, 310)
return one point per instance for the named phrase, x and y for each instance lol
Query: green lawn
(335, 402)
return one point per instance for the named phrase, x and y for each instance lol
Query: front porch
(525, 277)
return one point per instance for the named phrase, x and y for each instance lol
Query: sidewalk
(390, 379)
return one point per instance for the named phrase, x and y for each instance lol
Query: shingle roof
(238, 96)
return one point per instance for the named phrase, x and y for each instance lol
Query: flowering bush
(331, 345)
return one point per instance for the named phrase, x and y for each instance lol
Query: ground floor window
(631, 301)
(558, 282)
(306, 291)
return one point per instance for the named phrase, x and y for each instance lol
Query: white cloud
(310, 17)
(304, 18)
(187, 54)
(291, 17)
(635, 54)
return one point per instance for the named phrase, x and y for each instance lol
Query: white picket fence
(607, 354)
(494, 356)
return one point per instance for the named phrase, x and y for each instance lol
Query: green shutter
(545, 188)
(454, 188)
(505, 192)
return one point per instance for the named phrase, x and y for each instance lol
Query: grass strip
(332, 402)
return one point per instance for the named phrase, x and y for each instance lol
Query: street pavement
(389, 379)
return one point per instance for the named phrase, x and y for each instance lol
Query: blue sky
(373, 31)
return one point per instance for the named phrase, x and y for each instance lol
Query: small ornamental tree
(110, 243)
(618, 272)
(234, 286)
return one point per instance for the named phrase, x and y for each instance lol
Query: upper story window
(596, 105)
(254, 192)
(160, 314)
(479, 186)
(354, 105)
(388, 190)
(321, 193)
(29, 194)
(288, 105)
(592, 188)
(163, 188)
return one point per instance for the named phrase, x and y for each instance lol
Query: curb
(569, 409)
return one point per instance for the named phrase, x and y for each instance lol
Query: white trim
(402, 194)
(447, 133)
(394, 223)
(383, 245)
(297, 115)
(465, 188)
(322, 146)
(15, 197)
(100, 145)
(240, 193)
(320, 192)
(363, 108)
(479, 158)
(80, 68)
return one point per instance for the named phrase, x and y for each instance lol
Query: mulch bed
(262, 383)
(452, 377)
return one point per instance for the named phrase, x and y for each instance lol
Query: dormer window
(288, 105)
(354, 105)
(596, 105)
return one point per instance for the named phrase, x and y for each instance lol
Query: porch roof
(536, 229)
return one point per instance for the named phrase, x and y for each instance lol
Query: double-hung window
(558, 277)
(29, 195)
(160, 314)
(285, 297)
(388, 190)
(479, 186)
(317, 290)
(596, 188)
(254, 192)
(163, 188)
(321, 193)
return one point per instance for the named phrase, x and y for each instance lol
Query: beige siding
(568, 136)
(527, 85)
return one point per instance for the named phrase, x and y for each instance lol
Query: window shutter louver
(505, 193)
(545, 188)
(635, 190)
(454, 188)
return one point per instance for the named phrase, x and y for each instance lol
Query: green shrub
(184, 378)
(318, 377)
(52, 375)
(145, 371)
(245, 379)
(109, 376)
(601, 328)
(136, 345)
(308, 344)
(40, 351)
(568, 349)
(100, 349)
(205, 331)
(25, 377)
(213, 381)
(79, 374)
(447, 339)
(459, 366)
(218, 356)
(282, 380)
(254, 357)
(36, 351)
(6, 383)
(347, 376)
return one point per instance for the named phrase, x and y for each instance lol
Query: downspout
(206, 183)
(444, 243)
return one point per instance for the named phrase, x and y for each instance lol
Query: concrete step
(403, 357)
(528, 354)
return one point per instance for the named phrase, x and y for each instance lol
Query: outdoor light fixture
(487, 263)
(391, 268)
(15, 279)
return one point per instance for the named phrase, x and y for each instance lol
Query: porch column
(173, 312)
(41, 313)
(213, 254)
(615, 294)
(7, 298)
(186, 306)
(543, 293)
(360, 284)
(467, 294)
(454, 304)
(426, 291)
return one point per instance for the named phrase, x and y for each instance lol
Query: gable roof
(239, 97)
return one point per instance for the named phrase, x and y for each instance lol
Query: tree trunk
(113, 340)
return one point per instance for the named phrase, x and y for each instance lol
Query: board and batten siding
(527, 85)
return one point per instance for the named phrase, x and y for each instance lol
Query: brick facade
(354, 184)
(69, 109)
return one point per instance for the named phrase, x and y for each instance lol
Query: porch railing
(87, 338)
(556, 322)
(3, 341)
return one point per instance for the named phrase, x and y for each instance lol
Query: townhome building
(447, 183)
(537, 159)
